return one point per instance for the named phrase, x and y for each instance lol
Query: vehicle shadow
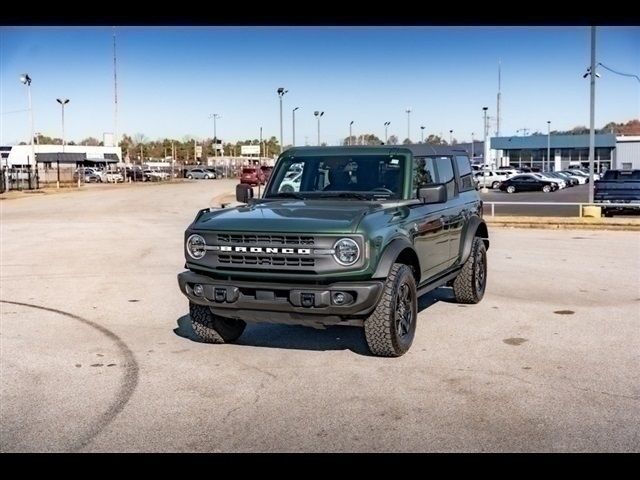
(297, 337)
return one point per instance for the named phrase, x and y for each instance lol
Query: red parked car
(252, 176)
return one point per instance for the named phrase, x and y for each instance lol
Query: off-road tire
(465, 286)
(211, 328)
(381, 329)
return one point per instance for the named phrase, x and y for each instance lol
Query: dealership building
(611, 151)
(65, 156)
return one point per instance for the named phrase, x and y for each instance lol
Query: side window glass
(423, 173)
(446, 175)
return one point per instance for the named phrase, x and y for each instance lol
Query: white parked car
(114, 177)
(584, 174)
(291, 183)
(491, 178)
(581, 179)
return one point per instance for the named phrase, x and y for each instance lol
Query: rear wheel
(190, 177)
(390, 329)
(546, 188)
(495, 185)
(470, 284)
(287, 188)
(211, 328)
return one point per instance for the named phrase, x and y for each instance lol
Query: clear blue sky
(171, 79)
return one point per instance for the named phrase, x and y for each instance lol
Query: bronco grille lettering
(276, 250)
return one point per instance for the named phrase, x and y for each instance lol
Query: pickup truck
(368, 231)
(618, 186)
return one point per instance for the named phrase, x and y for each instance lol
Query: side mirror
(433, 194)
(244, 192)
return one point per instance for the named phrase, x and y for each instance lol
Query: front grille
(266, 261)
(265, 239)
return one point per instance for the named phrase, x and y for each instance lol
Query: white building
(67, 155)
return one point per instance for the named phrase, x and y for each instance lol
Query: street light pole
(318, 114)
(592, 133)
(215, 116)
(422, 133)
(386, 136)
(473, 153)
(281, 92)
(350, 124)
(484, 154)
(26, 79)
(294, 125)
(548, 145)
(408, 122)
(63, 102)
(450, 137)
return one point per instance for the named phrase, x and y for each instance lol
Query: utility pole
(408, 110)
(115, 91)
(450, 137)
(473, 153)
(215, 116)
(281, 92)
(294, 125)
(386, 136)
(548, 145)
(318, 114)
(499, 95)
(350, 124)
(592, 112)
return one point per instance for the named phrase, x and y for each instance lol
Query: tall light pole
(293, 113)
(422, 127)
(26, 79)
(473, 153)
(63, 102)
(408, 110)
(350, 125)
(486, 149)
(281, 92)
(386, 135)
(592, 111)
(450, 137)
(215, 116)
(318, 114)
(548, 145)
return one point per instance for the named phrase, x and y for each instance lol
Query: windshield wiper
(287, 195)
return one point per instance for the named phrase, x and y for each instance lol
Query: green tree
(90, 141)
(407, 141)
(392, 140)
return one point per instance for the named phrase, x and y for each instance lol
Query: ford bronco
(364, 233)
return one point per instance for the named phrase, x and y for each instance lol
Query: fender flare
(474, 225)
(390, 254)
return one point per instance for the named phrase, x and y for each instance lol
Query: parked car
(527, 183)
(252, 176)
(578, 178)
(87, 177)
(135, 174)
(584, 174)
(113, 176)
(291, 183)
(618, 186)
(546, 176)
(200, 173)
(491, 179)
(570, 181)
(213, 172)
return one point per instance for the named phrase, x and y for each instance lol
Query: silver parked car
(200, 173)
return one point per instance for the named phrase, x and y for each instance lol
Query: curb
(557, 223)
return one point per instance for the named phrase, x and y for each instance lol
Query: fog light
(338, 298)
(198, 290)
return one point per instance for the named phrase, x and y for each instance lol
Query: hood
(289, 215)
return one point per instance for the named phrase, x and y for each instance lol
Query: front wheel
(206, 177)
(390, 329)
(190, 177)
(211, 328)
(511, 189)
(470, 284)
(495, 185)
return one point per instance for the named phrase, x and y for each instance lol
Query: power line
(620, 73)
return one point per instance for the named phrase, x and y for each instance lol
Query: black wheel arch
(475, 227)
(398, 250)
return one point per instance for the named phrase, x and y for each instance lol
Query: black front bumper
(312, 305)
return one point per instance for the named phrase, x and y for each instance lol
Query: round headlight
(347, 251)
(196, 246)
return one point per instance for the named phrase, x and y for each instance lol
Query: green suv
(341, 236)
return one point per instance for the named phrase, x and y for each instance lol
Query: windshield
(359, 177)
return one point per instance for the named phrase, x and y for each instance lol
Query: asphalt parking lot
(97, 353)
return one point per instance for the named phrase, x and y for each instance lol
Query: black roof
(417, 149)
